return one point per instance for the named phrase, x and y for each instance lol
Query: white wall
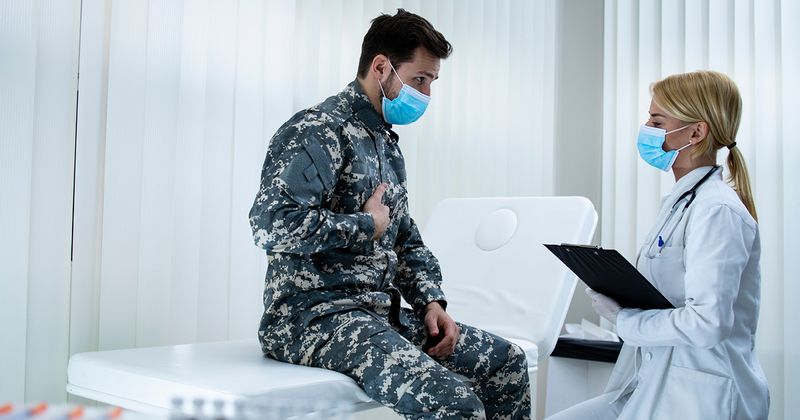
(579, 116)
(579, 130)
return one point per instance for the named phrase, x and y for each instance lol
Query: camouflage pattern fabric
(321, 167)
(389, 365)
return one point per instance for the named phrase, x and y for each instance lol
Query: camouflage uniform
(332, 294)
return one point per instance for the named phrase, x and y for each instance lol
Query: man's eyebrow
(429, 74)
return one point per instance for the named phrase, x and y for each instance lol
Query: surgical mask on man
(407, 107)
(650, 144)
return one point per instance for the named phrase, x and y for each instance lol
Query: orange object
(114, 413)
(37, 409)
(76, 413)
(6, 408)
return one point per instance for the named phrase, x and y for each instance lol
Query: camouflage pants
(392, 369)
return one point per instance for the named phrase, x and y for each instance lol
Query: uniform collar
(363, 108)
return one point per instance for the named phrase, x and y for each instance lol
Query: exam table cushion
(146, 379)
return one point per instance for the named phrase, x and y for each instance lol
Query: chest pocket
(356, 184)
(396, 163)
(667, 271)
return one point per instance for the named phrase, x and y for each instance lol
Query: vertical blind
(756, 43)
(38, 79)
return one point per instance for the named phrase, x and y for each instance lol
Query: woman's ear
(700, 132)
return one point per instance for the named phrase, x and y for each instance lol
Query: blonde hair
(713, 98)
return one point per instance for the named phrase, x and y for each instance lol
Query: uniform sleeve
(419, 277)
(717, 249)
(288, 214)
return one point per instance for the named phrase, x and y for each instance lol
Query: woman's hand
(604, 306)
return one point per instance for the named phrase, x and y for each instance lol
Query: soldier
(332, 214)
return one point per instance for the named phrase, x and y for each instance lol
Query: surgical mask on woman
(650, 144)
(407, 107)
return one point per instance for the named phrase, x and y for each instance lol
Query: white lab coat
(696, 361)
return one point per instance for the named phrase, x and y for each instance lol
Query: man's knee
(466, 408)
(516, 360)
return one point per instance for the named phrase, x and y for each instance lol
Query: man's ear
(379, 67)
(700, 132)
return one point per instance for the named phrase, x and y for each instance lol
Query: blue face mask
(407, 107)
(650, 144)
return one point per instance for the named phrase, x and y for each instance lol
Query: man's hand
(441, 328)
(379, 212)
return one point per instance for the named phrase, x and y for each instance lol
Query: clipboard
(608, 272)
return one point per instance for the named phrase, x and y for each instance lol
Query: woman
(695, 361)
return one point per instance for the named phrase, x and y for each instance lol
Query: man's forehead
(424, 62)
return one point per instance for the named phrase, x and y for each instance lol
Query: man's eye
(420, 79)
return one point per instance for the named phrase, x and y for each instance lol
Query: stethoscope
(659, 240)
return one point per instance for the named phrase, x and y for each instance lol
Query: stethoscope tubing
(689, 196)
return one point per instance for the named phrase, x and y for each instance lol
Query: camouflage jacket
(321, 167)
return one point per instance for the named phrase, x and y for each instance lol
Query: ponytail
(740, 180)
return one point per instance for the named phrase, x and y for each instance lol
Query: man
(332, 213)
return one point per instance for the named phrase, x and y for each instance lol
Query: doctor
(696, 361)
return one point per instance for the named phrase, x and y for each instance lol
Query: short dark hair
(397, 37)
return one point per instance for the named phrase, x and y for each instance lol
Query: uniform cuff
(623, 318)
(427, 295)
(362, 239)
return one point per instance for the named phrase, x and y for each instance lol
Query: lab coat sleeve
(288, 214)
(419, 276)
(717, 249)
